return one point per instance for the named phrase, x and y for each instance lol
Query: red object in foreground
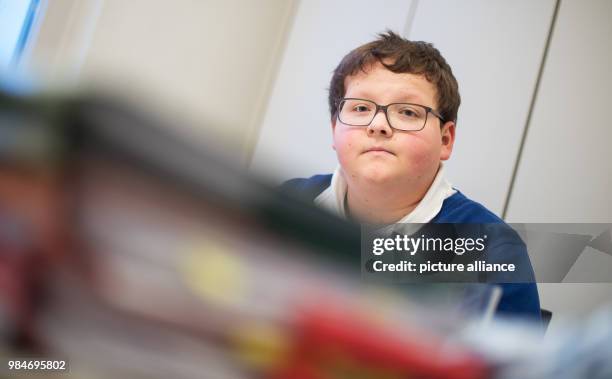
(331, 344)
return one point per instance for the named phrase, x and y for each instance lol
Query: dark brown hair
(401, 56)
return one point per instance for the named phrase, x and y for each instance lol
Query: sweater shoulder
(458, 208)
(307, 188)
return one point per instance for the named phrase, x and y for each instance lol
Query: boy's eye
(410, 112)
(361, 108)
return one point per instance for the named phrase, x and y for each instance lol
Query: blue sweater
(518, 299)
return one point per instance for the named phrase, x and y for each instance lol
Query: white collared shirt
(332, 198)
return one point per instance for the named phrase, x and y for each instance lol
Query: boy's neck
(377, 204)
(373, 210)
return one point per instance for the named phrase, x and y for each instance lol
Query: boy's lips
(378, 149)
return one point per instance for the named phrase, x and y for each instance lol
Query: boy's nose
(380, 125)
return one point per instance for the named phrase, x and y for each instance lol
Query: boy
(393, 105)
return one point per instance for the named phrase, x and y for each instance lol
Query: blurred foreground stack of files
(133, 253)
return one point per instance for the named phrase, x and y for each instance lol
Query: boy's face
(379, 154)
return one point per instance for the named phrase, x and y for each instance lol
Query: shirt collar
(332, 198)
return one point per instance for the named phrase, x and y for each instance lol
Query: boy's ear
(447, 134)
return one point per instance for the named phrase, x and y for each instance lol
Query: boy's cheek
(420, 157)
(344, 143)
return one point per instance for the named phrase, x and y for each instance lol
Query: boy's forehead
(376, 78)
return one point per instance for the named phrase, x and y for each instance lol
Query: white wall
(204, 62)
(495, 49)
(565, 173)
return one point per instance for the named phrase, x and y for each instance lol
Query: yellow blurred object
(260, 346)
(215, 274)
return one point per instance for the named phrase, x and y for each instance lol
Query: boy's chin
(378, 175)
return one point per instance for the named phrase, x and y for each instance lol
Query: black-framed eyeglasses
(401, 116)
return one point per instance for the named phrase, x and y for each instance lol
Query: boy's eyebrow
(402, 97)
(411, 97)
